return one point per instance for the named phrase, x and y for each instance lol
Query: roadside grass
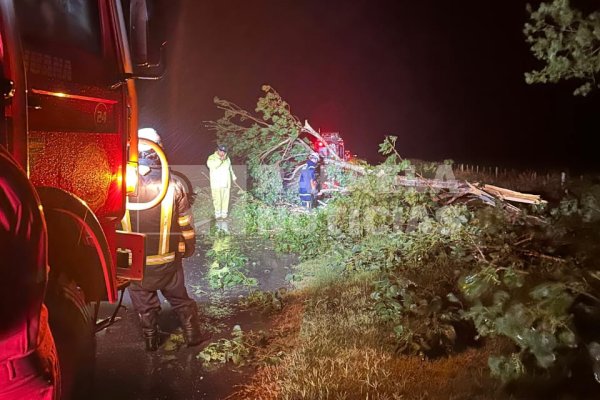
(334, 347)
(424, 312)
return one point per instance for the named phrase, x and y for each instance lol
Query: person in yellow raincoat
(221, 176)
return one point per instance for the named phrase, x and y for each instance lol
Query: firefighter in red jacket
(28, 361)
(170, 236)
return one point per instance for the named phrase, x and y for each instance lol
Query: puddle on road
(126, 371)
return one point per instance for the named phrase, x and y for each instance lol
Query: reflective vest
(169, 227)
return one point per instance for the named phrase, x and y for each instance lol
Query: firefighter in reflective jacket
(170, 236)
(28, 361)
(307, 184)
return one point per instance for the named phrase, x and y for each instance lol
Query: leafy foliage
(234, 350)
(441, 276)
(268, 183)
(227, 263)
(274, 144)
(567, 41)
(268, 140)
(250, 135)
(266, 301)
(173, 342)
(290, 230)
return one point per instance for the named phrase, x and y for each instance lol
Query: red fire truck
(333, 143)
(69, 119)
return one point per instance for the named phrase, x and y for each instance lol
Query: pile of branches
(274, 144)
(271, 135)
(271, 141)
(453, 261)
(450, 272)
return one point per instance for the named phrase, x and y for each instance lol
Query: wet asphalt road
(124, 370)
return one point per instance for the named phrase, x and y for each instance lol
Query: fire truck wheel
(73, 330)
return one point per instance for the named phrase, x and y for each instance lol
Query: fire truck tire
(73, 330)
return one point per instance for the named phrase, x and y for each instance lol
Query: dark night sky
(445, 77)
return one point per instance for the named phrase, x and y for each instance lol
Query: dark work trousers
(171, 284)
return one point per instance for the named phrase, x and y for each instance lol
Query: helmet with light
(147, 155)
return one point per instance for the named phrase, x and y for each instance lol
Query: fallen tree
(449, 263)
(271, 141)
(274, 144)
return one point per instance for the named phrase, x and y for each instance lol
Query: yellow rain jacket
(221, 172)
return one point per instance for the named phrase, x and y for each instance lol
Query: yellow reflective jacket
(221, 172)
(169, 228)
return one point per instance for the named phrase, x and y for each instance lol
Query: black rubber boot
(149, 322)
(190, 323)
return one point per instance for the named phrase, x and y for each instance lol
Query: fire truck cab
(333, 143)
(70, 120)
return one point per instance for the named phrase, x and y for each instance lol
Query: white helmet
(148, 134)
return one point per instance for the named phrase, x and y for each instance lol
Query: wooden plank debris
(489, 194)
(511, 195)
